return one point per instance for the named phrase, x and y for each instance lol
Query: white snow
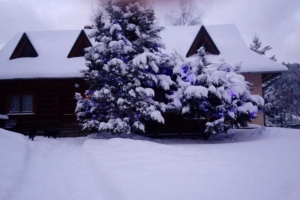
(117, 44)
(165, 81)
(233, 49)
(115, 27)
(246, 164)
(13, 153)
(3, 116)
(145, 91)
(185, 109)
(247, 107)
(116, 125)
(139, 125)
(144, 59)
(179, 38)
(156, 115)
(196, 90)
(217, 76)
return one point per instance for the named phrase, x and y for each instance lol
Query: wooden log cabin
(40, 73)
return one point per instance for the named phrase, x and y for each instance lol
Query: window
(81, 43)
(21, 103)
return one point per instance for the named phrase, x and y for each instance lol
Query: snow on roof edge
(251, 61)
(52, 47)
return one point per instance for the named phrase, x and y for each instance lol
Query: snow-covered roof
(52, 48)
(233, 49)
(179, 38)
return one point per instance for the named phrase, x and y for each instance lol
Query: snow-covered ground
(247, 164)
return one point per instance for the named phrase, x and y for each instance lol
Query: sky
(275, 22)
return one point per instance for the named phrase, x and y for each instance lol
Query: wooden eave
(269, 76)
(80, 44)
(203, 39)
(24, 49)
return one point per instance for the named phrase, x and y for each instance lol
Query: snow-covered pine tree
(124, 68)
(256, 47)
(215, 93)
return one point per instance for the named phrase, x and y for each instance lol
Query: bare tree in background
(187, 15)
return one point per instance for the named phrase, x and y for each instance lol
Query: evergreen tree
(215, 93)
(124, 68)
(282, 98)
(256, 47)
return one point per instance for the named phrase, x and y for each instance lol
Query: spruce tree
(123, 69)
(214, 93)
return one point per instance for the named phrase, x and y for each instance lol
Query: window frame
(21, 96)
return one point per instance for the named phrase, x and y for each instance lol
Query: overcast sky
(276, 22)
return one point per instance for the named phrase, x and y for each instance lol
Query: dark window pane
(14, 103)
(27, 102)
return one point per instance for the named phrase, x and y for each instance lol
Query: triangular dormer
(24, 49)
(203, 39)
(80, 44)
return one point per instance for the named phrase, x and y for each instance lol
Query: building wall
(53, 103)
(256, 88)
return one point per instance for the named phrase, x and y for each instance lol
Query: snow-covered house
(40, 71)
(39, 75)
(225, 44)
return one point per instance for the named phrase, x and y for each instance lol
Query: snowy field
(249, 164)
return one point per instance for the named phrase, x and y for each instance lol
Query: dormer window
(24, 49)
(203, 39)
(80, 44)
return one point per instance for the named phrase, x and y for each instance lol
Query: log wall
(256, 87)
(53, 104)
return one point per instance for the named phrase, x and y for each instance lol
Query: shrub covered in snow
(124, 67)
(215, 93)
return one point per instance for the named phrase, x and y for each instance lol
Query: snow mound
(264, 168)
(3, 117)
(13, 148)
(239, 135)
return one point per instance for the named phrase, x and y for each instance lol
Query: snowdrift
(13, 152)
(246, 164)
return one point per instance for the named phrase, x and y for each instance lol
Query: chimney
(89, 27)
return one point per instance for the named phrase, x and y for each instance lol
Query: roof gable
(80, 44)
(24, 49)
(223, 42)
(203, 39)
